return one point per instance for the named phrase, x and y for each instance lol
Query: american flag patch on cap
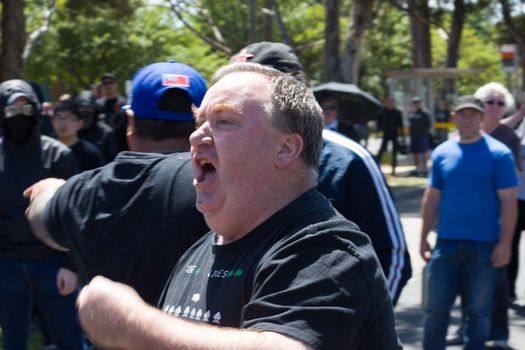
(175, 80)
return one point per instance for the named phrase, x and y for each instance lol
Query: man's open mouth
(207, 170)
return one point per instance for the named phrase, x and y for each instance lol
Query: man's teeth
(205, 162)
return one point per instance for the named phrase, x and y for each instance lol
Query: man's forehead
(64, 111)
(237, 88)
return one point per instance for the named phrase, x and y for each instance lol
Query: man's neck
(165, 146)
(490, 124)
(297, 182)
(68, 141)
(470, 138)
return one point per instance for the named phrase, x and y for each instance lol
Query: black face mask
(19, 128)
(89, 119)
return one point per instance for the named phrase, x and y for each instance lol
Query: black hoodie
(21, 165)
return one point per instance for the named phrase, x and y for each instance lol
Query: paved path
(409, 313)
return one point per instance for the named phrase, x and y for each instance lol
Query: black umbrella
(355, 105)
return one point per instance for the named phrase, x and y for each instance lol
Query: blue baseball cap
(152, 81)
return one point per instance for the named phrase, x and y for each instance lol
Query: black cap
(275, 55)
(11, 89)
(108, 76)
(468, 101)
(67, 105)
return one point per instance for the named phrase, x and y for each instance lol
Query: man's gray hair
(294, 108)
(495, 88)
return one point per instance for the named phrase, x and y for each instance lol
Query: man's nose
(201, 136)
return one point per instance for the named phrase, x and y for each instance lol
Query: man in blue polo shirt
(473, 191)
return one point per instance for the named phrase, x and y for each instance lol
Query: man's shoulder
(342, 144)
(102, 126)
(88, 146)
(173, 164)
(49, 143)
(506, 134)
(495, 146)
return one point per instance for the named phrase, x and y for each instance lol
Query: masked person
(109, 105)
(29, 270)
(95, 130)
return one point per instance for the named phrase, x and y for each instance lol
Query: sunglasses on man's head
(492, 102)
(11, 111)
(329, 107)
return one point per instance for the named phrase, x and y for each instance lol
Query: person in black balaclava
(30, 269)
(95, 130)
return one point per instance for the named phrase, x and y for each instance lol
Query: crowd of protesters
(96, 184)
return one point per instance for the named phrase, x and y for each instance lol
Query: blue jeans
(25, 281)
(459, 267)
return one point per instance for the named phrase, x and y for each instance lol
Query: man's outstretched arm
(114, 316)
(429, 213)
(39, 195)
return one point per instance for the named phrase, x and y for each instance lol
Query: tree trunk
(420, 28)
(285, 37)
(268, 19)
(13, 40)
(39, 32)
(252, 9)
(454, 40)
(360, 20)
(331, 37)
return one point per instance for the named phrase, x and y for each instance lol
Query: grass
(35, 342)
(398, 183)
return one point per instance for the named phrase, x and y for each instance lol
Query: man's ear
(131, 129)
(289, 150)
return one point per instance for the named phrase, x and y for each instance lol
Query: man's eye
(224, 122)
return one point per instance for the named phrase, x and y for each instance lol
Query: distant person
(132, 219)
(44, 122)
(95, 130)
(516, 122)
(472, 197)
(390, 123)
(67, 122)
(441, 116)
(496, 101)
(109, 105)
(349, 178)
(280, 265)
(419, 130)
(31, 272)
(332, 122)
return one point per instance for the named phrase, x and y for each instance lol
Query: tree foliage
(85, 41)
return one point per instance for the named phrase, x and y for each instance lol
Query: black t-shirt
(20, 167)
(130, 220)
(390, 121)
(420, 123)
(306, 272)
(101, 135)
(87, 155)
